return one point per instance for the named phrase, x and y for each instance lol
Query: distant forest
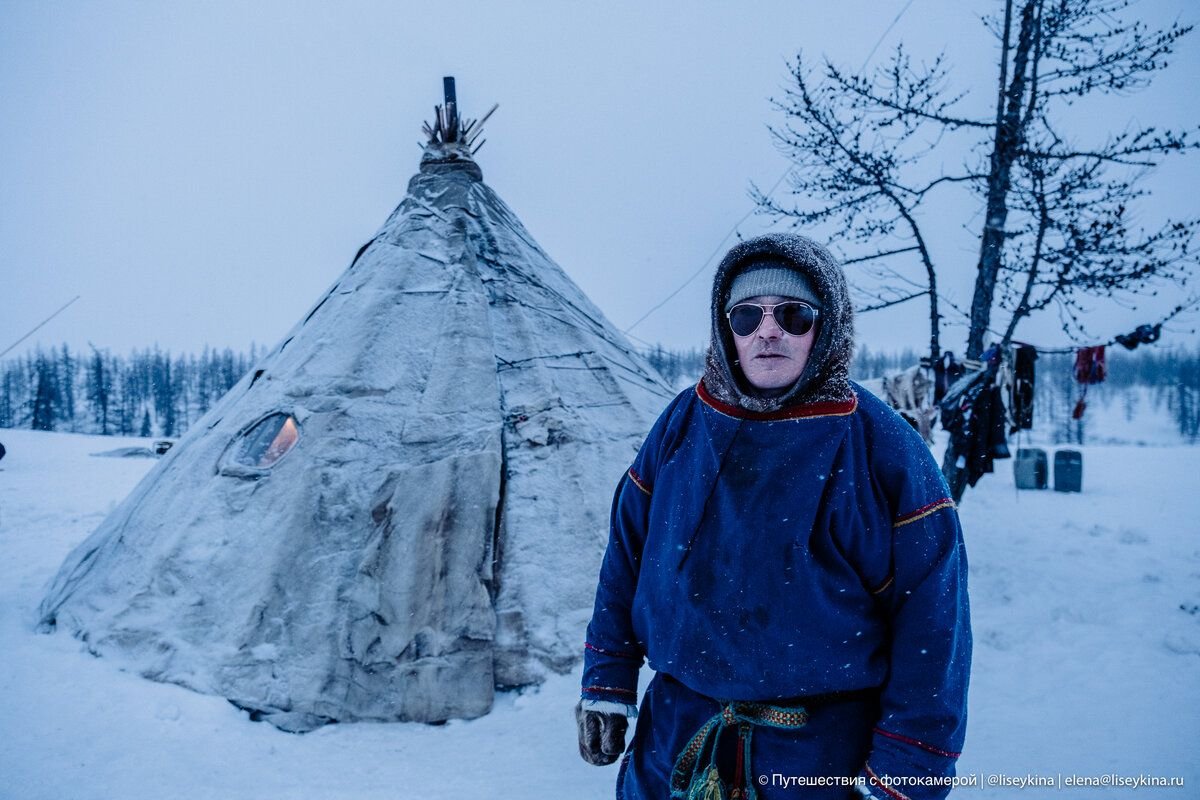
(153, 393)
(147, 393)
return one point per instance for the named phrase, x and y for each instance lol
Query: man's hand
(601, 735)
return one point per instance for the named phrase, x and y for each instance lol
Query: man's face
(770, 357)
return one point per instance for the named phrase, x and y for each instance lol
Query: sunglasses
(793, 317)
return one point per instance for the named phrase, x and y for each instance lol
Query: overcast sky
(199, 173)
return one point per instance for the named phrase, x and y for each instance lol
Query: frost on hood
(826, 377)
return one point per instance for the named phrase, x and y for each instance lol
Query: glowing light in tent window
(268, 441)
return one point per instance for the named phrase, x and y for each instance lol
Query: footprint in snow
(996, 639)
(1182, 645)
(1078, 616)
(1131, 536)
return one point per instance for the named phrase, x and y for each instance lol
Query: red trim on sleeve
(917, 743)
(613, 653)
(922, 512)
(638, 482)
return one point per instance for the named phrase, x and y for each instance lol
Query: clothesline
(1115, 340)
(982, 402)
(1142, 334)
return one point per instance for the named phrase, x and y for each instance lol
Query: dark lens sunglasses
(793, 317)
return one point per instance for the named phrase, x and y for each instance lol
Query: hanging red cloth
(1089, 365)
(1089, 369)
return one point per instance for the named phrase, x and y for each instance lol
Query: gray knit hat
(771, 277)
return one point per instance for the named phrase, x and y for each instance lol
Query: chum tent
(403, 506)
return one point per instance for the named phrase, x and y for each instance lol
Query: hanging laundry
(908, 392)
(946, 370)
(1089, 365)
(973, 413)
(1089, 368)
(1005, 380)
(1143, 334)
(1024, 357)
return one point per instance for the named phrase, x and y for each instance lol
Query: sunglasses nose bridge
(768, 326)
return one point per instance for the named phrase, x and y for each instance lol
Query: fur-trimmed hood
(826, 377)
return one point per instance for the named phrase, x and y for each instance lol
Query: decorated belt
(695, 775)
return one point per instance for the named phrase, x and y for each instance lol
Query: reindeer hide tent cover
(403, 506)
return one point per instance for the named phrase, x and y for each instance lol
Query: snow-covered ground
(1086, 612)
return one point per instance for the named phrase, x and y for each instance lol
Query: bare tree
(1073, 242)
(862, 164)
(1056, 228)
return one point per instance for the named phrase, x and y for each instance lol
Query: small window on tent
(266, 442)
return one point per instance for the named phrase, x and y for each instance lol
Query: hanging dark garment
(973, 413)
(1143, 334)
(945, 372)
(1024, 358)
(986, 434)
(1089, 365)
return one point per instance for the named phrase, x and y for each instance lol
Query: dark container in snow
(1031, 469)
(1068, 471)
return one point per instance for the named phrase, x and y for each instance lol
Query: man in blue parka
(785, 555)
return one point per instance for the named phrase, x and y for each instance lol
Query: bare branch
(884, 254)
(889, 303)
(946, 179)
(909, 94)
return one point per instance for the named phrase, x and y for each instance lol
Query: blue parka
(803, 558)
